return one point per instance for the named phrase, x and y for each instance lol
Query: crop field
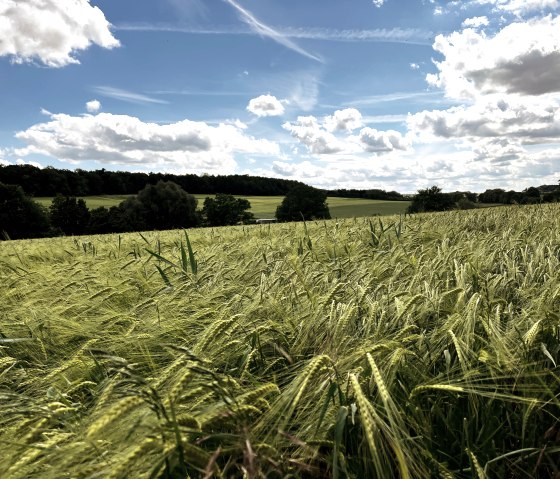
(414, 347)
(265, 206)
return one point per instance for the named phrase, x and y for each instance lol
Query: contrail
(270, 32)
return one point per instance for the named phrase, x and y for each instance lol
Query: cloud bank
(522, 58)
(187, 146)
(51, 31)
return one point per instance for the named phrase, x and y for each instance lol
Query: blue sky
(385, 94)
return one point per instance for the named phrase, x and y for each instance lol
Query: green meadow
(395, 347)
(265, 206)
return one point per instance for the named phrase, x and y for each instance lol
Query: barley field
(415, 347)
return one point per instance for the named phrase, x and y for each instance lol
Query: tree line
(51, 181)
(162, 206)
(433, 199)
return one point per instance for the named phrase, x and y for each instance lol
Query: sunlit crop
(413, 347)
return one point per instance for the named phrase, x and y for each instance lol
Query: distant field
(265, 206)
(92, 201)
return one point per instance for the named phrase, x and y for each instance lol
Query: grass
(413, 347)
(265, 206)
(92, 202)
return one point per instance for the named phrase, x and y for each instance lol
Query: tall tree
(303, 202)
(69, 214)
(162, 206)
(226, 210)
(431, 199)
(20, 216)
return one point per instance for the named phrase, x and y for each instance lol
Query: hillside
(416, 347)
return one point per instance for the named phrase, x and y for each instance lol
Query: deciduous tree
(223, 210)
(303, 202)
(20, 216)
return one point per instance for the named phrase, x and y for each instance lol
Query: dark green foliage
(107, 220)
(303, 203)
(373, 194)
(159, 207)
(465, 204)
(224, 210)
(51, 181)
(69, 214)
(20, 216)
(431, 199)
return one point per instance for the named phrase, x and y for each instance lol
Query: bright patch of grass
(416, 347)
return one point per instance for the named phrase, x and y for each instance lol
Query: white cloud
(93, 106)
(305, 169)
(320, 138)
(309, 132)
(522, 58)
(185, 146)
(2, 160)
(520, 7)
(532, 120)
(344, 120)
(266, 105)
(376, 141)
(476, 22)
(529, 120)
(378, 3)
(51, 31)
(19, 161)
(414, 66)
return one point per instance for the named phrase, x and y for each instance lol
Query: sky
(391, 94)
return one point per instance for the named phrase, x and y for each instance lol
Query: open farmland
(413, 348)
(265, 206)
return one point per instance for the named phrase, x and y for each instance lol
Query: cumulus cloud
(529, 120)
(320, 139)
(51, 31)
(522, 58)
(186, 146)
(376, 141)
(3, 162)
(476, 22)
(305, 169)
(498, 151)
(93, 106)
(378, 3)
(19, 161)
(344, 120)
(266, 105)
(309, 132)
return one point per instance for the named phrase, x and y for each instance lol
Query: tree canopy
(303, 202)
(162, 206)
(20, 216)
(223, 210)
(69, 214)
(431, 199)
